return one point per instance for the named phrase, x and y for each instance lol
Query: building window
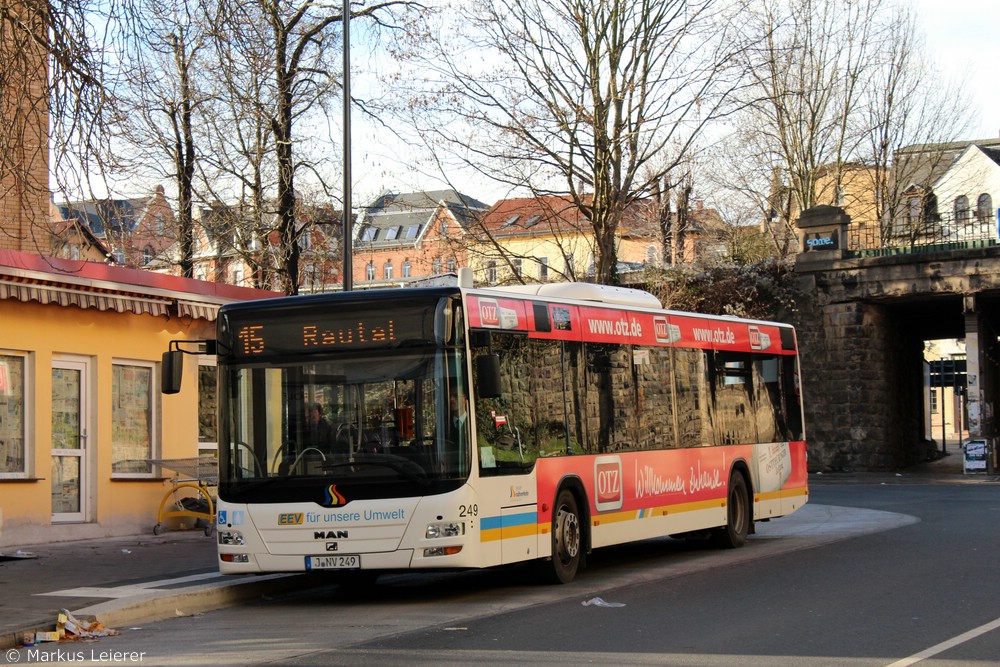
(934, 400)
(444, 227)
(132, 419)
(406, 269)
(961, 207)
(370, 271)
(913, 210)
(516, 263)
(392, 233)
(436, 267)
(367, 234)
(147, 255)
(543, 268)
(412, 231)
(451, 266)
(13, 393)
(838, 197)
(238, 276)
(984, 207)
(387, 270)
(491, 272)
(651, 255)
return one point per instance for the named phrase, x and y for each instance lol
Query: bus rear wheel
(567, 538)
(738, 515)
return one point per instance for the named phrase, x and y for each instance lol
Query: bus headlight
(444, 529)
(231, 537)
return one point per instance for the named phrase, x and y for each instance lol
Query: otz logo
(608, 482)
(489, 313)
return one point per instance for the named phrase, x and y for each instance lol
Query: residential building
(234, 246)
(137, 232)
(935, 193)
(849, 186)
(404, 237)
(964, 194)
(548, 239)
(86, 439)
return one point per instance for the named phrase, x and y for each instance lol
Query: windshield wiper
(405, 467)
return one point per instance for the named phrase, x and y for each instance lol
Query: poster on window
(131, 419)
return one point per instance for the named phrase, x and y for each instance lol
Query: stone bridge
(861, 341)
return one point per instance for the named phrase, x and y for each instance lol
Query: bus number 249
(468, 510)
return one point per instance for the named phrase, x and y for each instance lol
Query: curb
(159, 606)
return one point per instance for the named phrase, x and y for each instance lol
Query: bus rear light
(234, 558)
(441, 551)
(444, 529)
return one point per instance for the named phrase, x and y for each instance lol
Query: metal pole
(944, 438)
(348, 214)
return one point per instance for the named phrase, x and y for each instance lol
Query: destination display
(341, 328)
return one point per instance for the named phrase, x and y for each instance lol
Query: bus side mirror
(488, 376)
(171, 371)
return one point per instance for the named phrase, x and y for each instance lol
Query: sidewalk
(119, 580)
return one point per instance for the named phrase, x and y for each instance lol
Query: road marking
(129, 590)
(947, 644)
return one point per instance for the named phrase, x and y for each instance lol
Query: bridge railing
(924, 235)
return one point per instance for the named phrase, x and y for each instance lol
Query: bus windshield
(371, 417)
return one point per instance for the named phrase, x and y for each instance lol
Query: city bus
(454, 427)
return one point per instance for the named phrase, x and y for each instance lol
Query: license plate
(345, 562)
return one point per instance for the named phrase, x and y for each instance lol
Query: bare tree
(809, 73)
(161, 98)
(906, 105)
(574, 97)
(294, 44)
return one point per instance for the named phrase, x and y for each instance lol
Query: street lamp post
(348, 250)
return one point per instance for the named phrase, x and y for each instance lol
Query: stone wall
(862, 378)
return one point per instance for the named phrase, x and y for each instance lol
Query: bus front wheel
(738, 514)
(567, 538)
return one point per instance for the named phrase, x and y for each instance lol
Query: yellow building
(547, 239)
(83, 424)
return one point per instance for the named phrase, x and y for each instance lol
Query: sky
(962, 37)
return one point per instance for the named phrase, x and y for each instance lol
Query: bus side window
(503, 424)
